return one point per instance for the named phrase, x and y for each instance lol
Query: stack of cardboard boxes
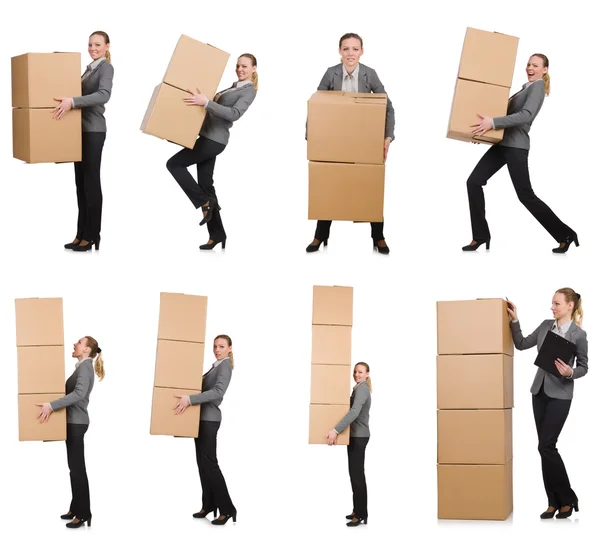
(331, 361)
(475, 400)
(194, 66)
(41, 366)
(346, 171)
(179, 363)
(483, 84)
(37, 79)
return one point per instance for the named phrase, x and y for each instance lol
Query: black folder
(554, 347)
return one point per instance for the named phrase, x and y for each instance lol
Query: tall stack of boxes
(179, 363)
(194, 66)
(37, 79)
(346, 171)
(331, 362)
(483, 84)
(41, 366)
(474, 400)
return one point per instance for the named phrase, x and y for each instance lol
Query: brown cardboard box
(196, 65)
(473, 327)
(329, 384)
(332, 305)
(332, 344)
(322, 419)
(165, 422)
(182, 317)
(30, 429)
(474, 382)
(475, 492)
(41, 369)
(169, 117)
(474, 436)
(39, 78)
(345, 191)
(470, 99)
(39, 321)
(488, 57)
(39, 138)
(346, 127)
(179, 364)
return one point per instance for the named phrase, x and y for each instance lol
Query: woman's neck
(561, 321)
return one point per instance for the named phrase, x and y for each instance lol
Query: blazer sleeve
(360, 396)
(390, 116)
(82, 385)
(533, 102)
(523, 342)
(581, 357)
(234, 112)
(102, 96)
(218, 391)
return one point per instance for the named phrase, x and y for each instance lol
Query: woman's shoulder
(106, 66)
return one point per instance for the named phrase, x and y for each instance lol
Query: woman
(358, 420)
(513, 151)
(96, 87)
(214, 385)
(227, 106)
(552, 396)
(78, 389)
(355, 77)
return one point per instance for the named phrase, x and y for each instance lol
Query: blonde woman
(513, 151)
(214, 385)
(552, 396)
(358, 420)
(78, 389)
(226, 107)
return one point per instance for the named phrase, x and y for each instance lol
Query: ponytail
(99, 366)
(546, 79)
(571, 296)
(96, 353)
(231, 359)
(107, 56)
(368, 379)
(255, 80)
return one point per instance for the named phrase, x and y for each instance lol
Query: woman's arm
(236, 111)
(581, 358)
(535, 97)
(218, 391)
(84, 378)
(390, 116)
(360, 397)
(523, 342)
(102, 96)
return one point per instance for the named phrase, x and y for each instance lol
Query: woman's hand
(564, 369)
(65, 105)
(483, 126)
(512, 310)
(196, 99)
(184, 403)
(45, 412)
(332, 438)
(386, 147)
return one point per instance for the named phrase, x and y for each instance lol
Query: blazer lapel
(337, 78)
(362, 80)
(569, 334)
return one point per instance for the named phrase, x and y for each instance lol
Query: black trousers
(214, 489)
(356, 468)
(89, 189)
(323, 227)
(516, 161)
(203, 155)
(550, 415)
(80, 489)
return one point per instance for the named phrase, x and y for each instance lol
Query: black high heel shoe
(210, 210)
(72, 244)
(564, 246)
(67, 516)
(474, 245)
(382, 250)
(203, 514)
(88, 246)
(313, 248)
(356, 521)
(211, 246)
(222, 520)
(546, 515)
(569, 512)
(79, 522)
(350, 516)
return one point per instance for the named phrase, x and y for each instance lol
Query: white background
(260, 289)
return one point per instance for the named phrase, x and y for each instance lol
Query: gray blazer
(553, 386)
(358, 415)
(220, 115)
(522, 110)
(214, 385)
(368, 82)
(78, 388)
(96, 89)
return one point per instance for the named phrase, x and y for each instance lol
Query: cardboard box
(39, 138)
(473, 327)
(475, 382)
(332, 305)
(39, 321)
(329, 384)
(164, 421)
(182, 317)
(488, 57)
(39, 78)
(196, 65)
(30, 429)
(169, 117)
(474, 436)
(41, 369)
(332, 344)
(179, 364)
(345, 191)
(475, 492)
(346, 127)
(470, 99)
(322, 419)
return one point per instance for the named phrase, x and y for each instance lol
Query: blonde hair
(229, 343)
(546, 77)
(104, 35)
(254, 74)
(368, 379)
(96, 353)
(571, 296)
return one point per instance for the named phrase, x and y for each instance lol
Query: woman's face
(244, 69)
(221, 348)
(360, 373)
(535, 68)
(80, 348)
(97, 48)
(560, 308)
(351, 51)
